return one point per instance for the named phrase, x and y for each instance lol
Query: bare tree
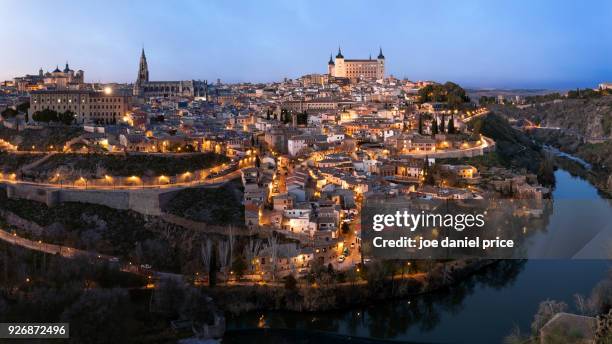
(546, 310)
(251, 250)
(207, 254)
(223, 256)
(273, 250)
(582, 304)
(231, 240)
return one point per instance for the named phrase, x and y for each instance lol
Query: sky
(556, 44)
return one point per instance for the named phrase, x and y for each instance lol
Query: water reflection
(480, 309)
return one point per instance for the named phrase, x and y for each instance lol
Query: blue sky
(531, 44)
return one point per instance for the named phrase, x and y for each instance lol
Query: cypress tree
(420, 124)
(451, 125)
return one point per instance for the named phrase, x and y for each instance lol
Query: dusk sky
(504, 44)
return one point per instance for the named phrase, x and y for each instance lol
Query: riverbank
(325, 294)
(482, 308)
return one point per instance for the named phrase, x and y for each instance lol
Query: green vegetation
(9, 112)
(23, 107)
(485, 100)
(585, 93)
(514, 149)
(47, 116)
(487, 160)
(10, 162)
(40, 139)
(450, 93)
(92, 296)
(543, 98)
(606, 123)
(128, 165)
(218, 206)
(302, 118)
(598, 154)
(81, 225)
(122, 233)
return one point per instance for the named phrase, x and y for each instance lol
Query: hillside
(589, 118)
(513, 147)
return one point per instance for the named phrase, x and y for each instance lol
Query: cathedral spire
(339, 56)
(143, 69)
(380, 54)
(331, 61)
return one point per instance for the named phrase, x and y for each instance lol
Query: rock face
(590, 118)
(610, 183)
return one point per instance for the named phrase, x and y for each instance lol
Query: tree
(451, 125)
(546, 310)
(428, 173)
(302, 118)
(251, 250)
(23, 107)
(273, 251)
(345, 227)
(207, 260)
(223, 260)
(546, 171)
(442, 124)
(290, 283)
(9, 112)
(421, 124)
(257, 161)
(98, 311)
(239, 266)
(434, 126)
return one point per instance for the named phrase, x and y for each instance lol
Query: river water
(482, 309)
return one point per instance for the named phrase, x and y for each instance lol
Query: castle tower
(330, 66)
(380, 71)
(340, 69)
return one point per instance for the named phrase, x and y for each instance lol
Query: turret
(330, 66)
(339, 55)
(380, 71)
(339, 68)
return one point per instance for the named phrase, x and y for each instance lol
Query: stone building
(58, 79)
(88, 106)
(356, 69)
(143, 88)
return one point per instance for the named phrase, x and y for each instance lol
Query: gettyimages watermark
(407, 228)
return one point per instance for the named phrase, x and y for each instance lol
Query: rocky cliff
(590, 118)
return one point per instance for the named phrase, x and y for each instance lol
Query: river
(482, 309)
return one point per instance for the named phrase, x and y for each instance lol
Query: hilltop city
(251, 184)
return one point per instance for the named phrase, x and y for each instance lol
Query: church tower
(143, 69)
(143, 74)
